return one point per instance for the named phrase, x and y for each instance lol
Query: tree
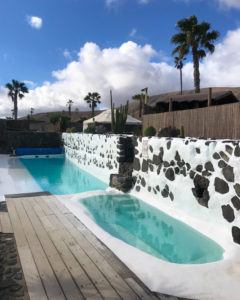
(196, 39)
(64, 123)
(139, 97)
(179, 66)
(55, 120)
(31, 111)
(93, 99)
(16, 90)
(69, 105)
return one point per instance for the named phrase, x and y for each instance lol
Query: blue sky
(30, 53)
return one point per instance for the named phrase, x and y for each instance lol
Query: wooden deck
(62, 259)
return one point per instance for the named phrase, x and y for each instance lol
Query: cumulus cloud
(35, 22)
(126, 70)
(230, 3)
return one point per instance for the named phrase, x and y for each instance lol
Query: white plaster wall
(96, 154)
(181, 186)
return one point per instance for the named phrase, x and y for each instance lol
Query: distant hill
(75, 116)
(133, 105)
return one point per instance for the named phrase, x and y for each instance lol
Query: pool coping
(188, 281)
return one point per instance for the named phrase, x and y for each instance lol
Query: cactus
(119, 117)
(182, 132)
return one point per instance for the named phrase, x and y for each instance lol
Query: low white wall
(198, 177)
(96, 154)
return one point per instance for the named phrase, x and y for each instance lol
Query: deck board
(62, 259)
(5, 223)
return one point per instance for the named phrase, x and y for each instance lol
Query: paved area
(62, 259)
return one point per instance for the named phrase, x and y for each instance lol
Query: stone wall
(201, 177)
(13, 139)
(100, 155)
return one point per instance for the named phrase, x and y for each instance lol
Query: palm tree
(195, 38)
(179, 66)
(93, 99)
(31, 111)
(139, 97)
(16, 89)
(69, 105)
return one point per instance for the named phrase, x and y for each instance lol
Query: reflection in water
(150, 230)
(59, 176)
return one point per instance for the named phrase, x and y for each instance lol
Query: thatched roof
(165, 98)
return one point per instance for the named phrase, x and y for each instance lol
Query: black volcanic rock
(209, 166)
(228, 213)
(237, 151)
(216, 155)
(221, 186)
(236, 234)
(228, 173)
(136, 164)
(237, 189)
(170, 175)
(236, 202)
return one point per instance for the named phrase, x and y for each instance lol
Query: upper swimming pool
(60, 176)
(150, 230)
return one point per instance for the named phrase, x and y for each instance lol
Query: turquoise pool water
(147, 228)
(60, 176)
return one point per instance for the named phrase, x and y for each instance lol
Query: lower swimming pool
(60, 176)
(150, 230)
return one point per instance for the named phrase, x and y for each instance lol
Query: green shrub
(90, 129)
(150, 131)
(71, 130)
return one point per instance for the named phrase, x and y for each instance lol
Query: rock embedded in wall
(195, 173)
(96, 154)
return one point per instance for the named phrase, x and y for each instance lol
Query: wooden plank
(84, 283)
(111, 258)
(90, 268)
(117, 282)
(6, 226)
(53, 290)
(32, 278)
(140, 291)
(62, 273)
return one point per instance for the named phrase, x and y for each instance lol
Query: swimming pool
(150, 230)
(59, 176)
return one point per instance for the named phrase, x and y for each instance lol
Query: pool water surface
(60, 176)
(150, 230)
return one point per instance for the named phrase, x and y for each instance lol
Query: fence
(220, 122)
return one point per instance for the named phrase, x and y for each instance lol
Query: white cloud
(144, 1)
(35, 22)
(133, 32)
(67, 54)
(113, 3)
(230, 3)
(126, 70)
(110, 3)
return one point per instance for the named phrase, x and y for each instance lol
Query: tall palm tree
(195, 38)
(16, 90)
(179, 65)
(93, 99)
(69, 105)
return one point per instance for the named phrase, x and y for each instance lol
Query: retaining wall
(200, 177)
(13, 139)
(100, 155)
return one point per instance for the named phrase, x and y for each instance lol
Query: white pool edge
(218, 280)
